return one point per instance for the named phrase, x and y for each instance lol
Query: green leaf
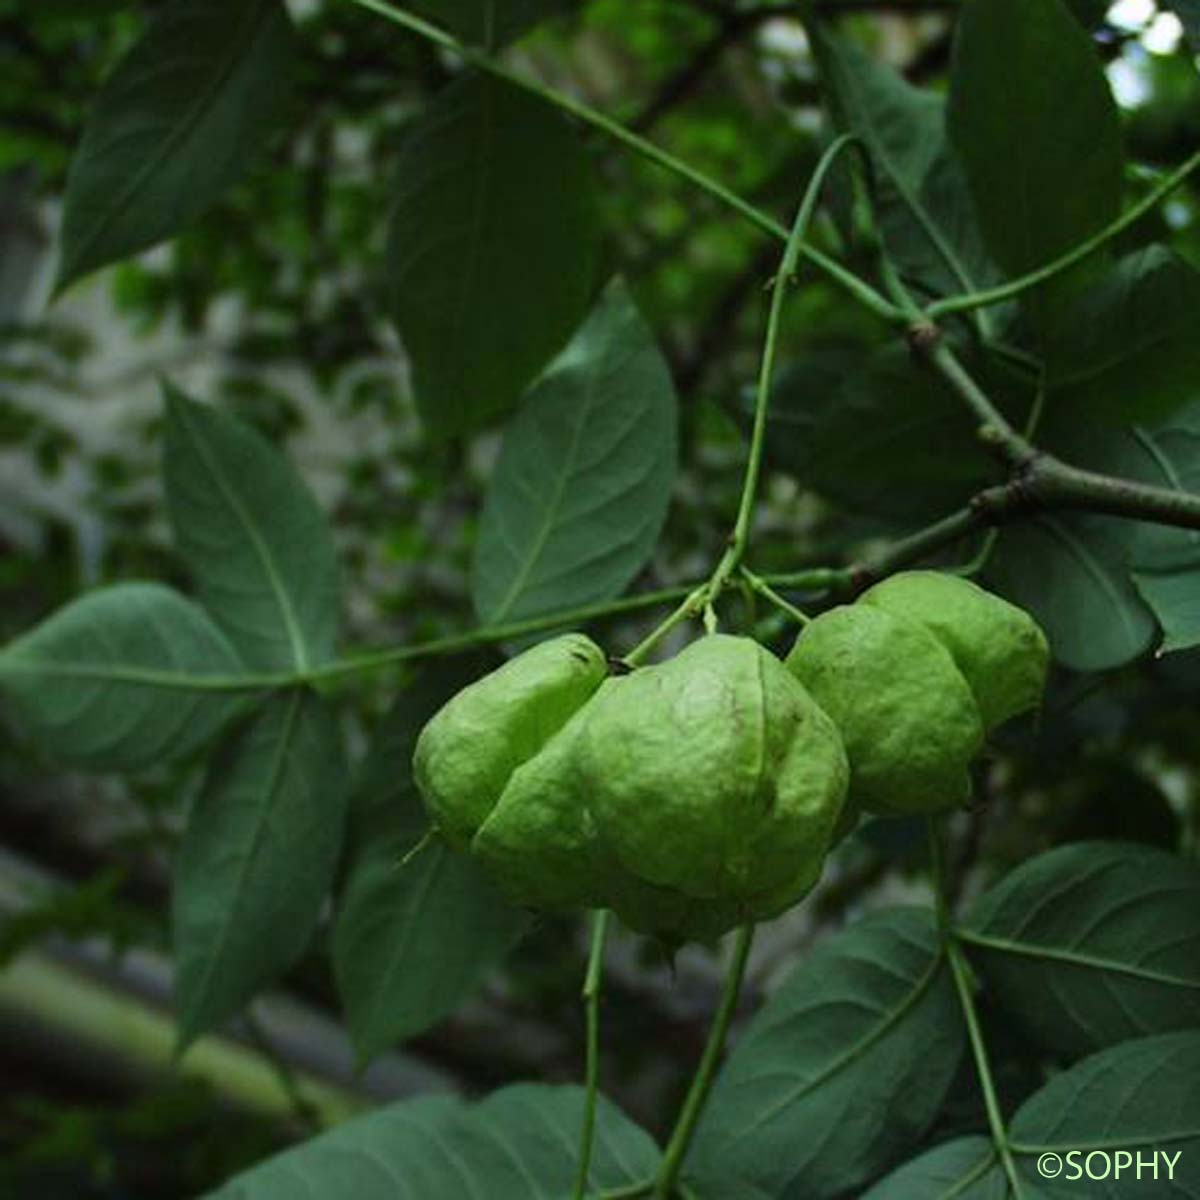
(493, 248)
(876, 434)
(521, 1143)
(921, 200)
(122, 678)
(1091, 944)
(411, 939)
(964, 1169)
(1035, 127)
(1165, 561)
(1143, 1095)
(178, 121)
(1144, 563)
(843, 1069)
(488, 23)
(257, 858)
(1072, 573)
(575, 505)
(253, 537)
(414, 939)
(1126, 350)
(1089, 13)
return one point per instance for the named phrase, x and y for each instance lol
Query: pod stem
(697, 1097)
(591, 1005)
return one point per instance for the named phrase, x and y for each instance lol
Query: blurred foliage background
(273, 304)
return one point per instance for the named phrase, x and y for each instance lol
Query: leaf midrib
(259, 545)
(551, 511)
(200, 996)
(1074, 958)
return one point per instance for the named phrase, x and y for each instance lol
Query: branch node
(923, 338)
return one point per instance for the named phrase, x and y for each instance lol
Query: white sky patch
(1176, 214)
(1131, 14)
(1164, 34)
(1128, 81)
(785, 38)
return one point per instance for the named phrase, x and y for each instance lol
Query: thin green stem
(591, 1004)
(982, 557)
(809, 579)
(630, 1191)
(917, 546)
(995, 428)
(961, 971)
(496, 633)
(1015, 287)
(964, 985)
(768, 593)
(697, 1097)
(862, 291)
(353, 665)
(784, 277)
(937, 870)
(689, 608)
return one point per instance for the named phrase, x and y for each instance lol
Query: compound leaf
(858, 1050)
(1035, 127)
(493, 249)
(520, 1143)
(1091, 944)
(575, 505)
(253, 537)
(922, 203)
(412, 939)
(965, 1169)
(1126, 351)
(178, 121)
(1142, 1096)
(257, 858)
(121, 678)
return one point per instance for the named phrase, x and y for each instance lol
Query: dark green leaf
(488, 23)
(1089, 13)
(519, 1144)
(1166, 562)
(578, 497)
(1036, 128)
(176, 123)
(121, 678)
(1143, 1095)
(1072, 573)
(965, 1169)
(257, 858)
(252, 536)
(857, 1050)
(921, 201)
(1127, 350)
(877, 434)
(412, 939)
(1093, 943)
(493, 248)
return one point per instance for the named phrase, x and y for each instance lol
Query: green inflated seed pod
(468, 751)
(998, 647)
(539, 841)
(714, 774)
(905, 712)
